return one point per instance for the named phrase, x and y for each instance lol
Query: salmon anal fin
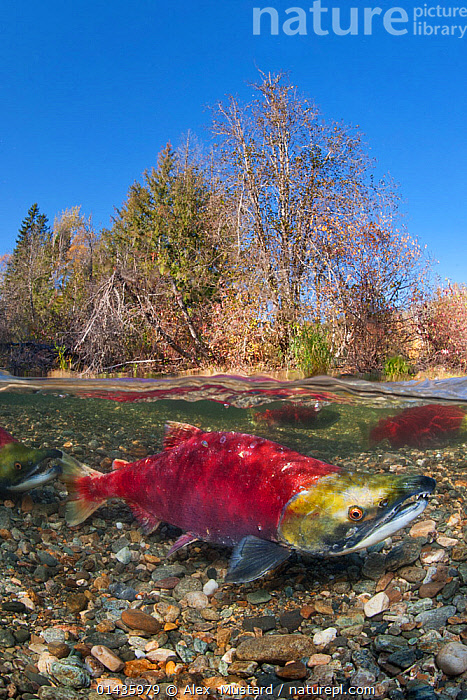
(252, 557)
(78, 510)
(147, 520)
(181, 542)
(119, 464)
(177, 433)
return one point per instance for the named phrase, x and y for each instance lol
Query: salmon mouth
(393, 519)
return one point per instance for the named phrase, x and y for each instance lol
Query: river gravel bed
(99, 611)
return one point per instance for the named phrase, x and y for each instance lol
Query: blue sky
(91, 92)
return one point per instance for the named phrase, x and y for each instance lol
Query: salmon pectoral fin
(147, 520)
(181, 542)
(252, 557)
(177, 433)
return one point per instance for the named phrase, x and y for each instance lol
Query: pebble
(325, 637)
(275, 648)
(107, 658)
(265, 623)
(437, 618)
(319, 660)
(376, 604)
(76, 602)
(70, 674)
(244, 669)
(122, 591)
(139, 620)
(430, 555)
(14, 606)
(295, 670)
(197, 600)
(423, 528)
(160, 655)
(291, 620)
(53, 634)
(124, 555)
(56, 693)
(6, 639)
(258, 597)
(402, 555)
(186, 585)
(59, 649)
(374, 565)
(167, 583)
(452, 659)
(168, 571)
(210, 587)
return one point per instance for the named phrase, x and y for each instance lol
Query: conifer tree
(27, 284)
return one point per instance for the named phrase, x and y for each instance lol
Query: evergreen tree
(27, 284)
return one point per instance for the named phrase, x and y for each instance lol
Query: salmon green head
(346, 512)
(23, 468)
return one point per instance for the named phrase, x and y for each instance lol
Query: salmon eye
(383, 503)
(355, 513)
(18, 465)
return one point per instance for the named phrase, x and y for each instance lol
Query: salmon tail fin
(82, 497)
(177, 433)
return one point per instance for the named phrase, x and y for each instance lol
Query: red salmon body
(419, 425)
(217, 486)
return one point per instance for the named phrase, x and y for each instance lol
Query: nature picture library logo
(426, 20)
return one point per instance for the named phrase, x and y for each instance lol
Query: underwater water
(323, 417)
(376, 618)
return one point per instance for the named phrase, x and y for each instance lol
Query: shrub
(310, 349)
(396, 369)
(443, 327)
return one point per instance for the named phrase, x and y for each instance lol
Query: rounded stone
(452, 659)
(70, 675)
(186, 585)
(59, 649)
(197, 600)
(275, 648)
(139, 620)
(325, 637)
(6, 639)
(14, 606)
(77, 602)
(53, 693)
(296, 670)
(107, 657)
(210, 587)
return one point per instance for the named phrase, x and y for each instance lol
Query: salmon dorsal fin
(177, 433)
(6, 438)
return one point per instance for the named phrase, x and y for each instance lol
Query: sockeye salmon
(418, 426)
(297, 414)
(262, 498)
